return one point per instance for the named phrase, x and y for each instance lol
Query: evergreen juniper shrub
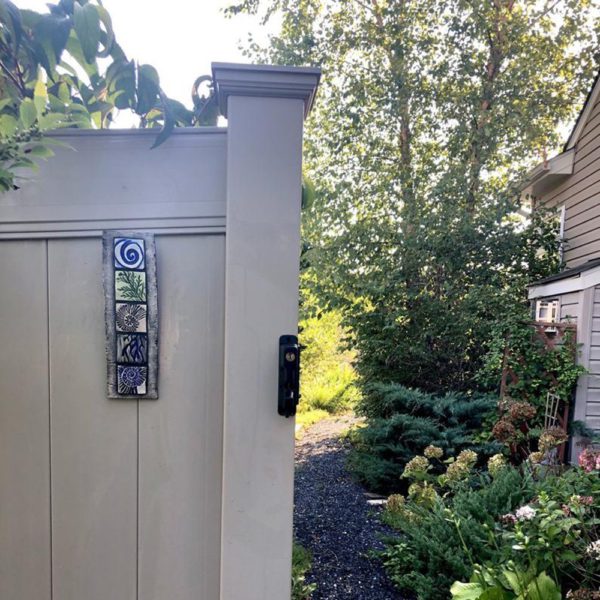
(402, 422)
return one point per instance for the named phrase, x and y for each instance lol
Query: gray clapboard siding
(580, 193)
(593, 408)
(594, 366)
(591, 412)
(24, 417)
(577, 217)
(593, 423)
(569, 308)
(592, 123)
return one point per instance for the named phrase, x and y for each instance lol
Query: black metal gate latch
(289, 375)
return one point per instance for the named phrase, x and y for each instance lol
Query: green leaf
(165, 132)
(466, 591)
(40, 96)
(6, 102)
(169, 123)
(10, 15)
(496, 593)
(148, 89)
(51, 34)
(27, 113)
(58, 121)
(87, 28)
(23, 163)
(8, 125)
(107, 36)
(543, 588)
(120, 77)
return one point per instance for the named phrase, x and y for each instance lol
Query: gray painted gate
(135, 485)
(188, 497)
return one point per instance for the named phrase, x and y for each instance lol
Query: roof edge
(549, 173)
(571, 280)
(584, 114)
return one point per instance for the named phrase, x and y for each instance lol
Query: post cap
(266, 81)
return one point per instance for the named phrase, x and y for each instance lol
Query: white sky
(178, 37)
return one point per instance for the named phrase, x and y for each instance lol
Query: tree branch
(12, 77)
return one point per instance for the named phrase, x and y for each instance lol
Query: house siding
(592, 404)
(569, 308)
(580, 194)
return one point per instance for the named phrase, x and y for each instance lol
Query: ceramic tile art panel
(131, 314)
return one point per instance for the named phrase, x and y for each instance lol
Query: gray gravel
(333, 519)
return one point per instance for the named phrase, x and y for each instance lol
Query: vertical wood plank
(24, 423)
(181, 432)
(94, 440)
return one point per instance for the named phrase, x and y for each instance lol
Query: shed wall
(592, 404)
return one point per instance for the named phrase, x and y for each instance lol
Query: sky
(178, 37)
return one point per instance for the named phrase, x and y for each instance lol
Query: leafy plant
(402, 422)
(509, 584)
(328, 380)
(511, 533)
(534, 370)
(64, 68)
(547, 546)
(431, 553)
(301, 560)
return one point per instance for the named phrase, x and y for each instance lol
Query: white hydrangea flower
(525, 513)
(593, 550)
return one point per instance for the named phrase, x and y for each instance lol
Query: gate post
(265, 107)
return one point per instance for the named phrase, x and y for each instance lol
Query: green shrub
(515, 535)
(552, 541)
(430, 555)
(328, 379)
(301, 561)
(402, 422)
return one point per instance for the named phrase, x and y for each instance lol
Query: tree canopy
(429, 114)
(64, 68)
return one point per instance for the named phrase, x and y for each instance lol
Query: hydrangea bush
(512, 533)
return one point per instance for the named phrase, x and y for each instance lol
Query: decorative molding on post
(265, 107)
(265, 81)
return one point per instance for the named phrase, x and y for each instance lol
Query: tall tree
(429, 113)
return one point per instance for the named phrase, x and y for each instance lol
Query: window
(546, 311)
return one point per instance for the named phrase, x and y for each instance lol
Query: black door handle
(289, 375)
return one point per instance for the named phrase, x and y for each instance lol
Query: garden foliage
(301, 561)
(509, 534)
(533, 370)
(429, 556)
(428, 116)
(402, 422)
(64, 68)
(328, 379)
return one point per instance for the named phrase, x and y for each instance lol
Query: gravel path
(333, 519)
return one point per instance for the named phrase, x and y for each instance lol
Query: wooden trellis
(557, 409)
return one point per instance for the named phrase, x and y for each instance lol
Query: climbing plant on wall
(64, 68)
